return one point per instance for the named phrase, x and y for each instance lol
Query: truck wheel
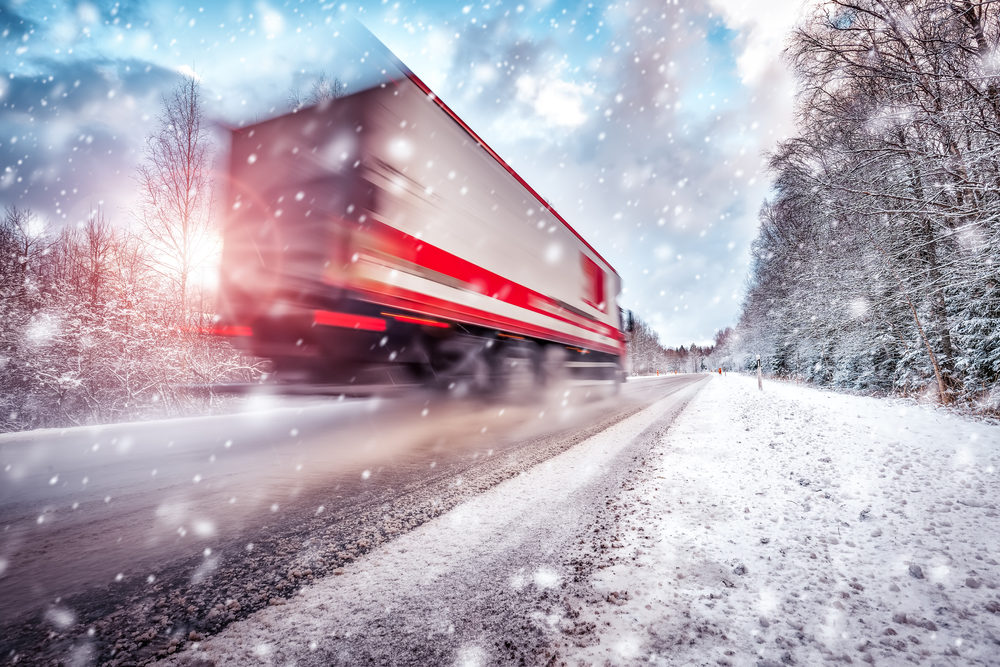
(617, 380)
(553, 366)
(476, 378)
(517, 371)
(457, 366)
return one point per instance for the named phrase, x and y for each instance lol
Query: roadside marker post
(760, 382)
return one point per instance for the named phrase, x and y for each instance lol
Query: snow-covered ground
(789, 526)
(799, 525)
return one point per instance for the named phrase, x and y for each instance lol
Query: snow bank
(799, 526)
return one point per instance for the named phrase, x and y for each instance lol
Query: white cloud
(764, 26)
(88, 13)
(484, 73)
(429, 51)
(271, 20)
(554, 100)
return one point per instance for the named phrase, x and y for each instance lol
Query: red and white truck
(375, 238)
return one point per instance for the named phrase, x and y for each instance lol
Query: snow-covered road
(121, 543)
(475, 584)
(792, 526)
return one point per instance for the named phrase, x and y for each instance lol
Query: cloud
(555, 101)
(658, 175)
(188, 72)
(72, 132)
(763, 27)
(13, 25)
(272, 23)
(61, 88)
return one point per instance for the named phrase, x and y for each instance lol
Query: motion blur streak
(385, 199)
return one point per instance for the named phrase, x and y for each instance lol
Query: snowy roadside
(796, 526)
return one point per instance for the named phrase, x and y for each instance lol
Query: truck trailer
(376, 238)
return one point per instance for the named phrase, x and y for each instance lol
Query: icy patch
(447, 560)
(546, 577)
(628, 647)
(60, 617)
(471, 656)
(205, 569)
(203, 528)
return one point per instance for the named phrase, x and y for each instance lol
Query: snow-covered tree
(876, 263)
(176, 189)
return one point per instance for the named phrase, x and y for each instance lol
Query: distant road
(123, 543)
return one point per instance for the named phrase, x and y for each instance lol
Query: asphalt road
(126, 543)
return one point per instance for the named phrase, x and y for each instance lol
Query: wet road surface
(125, 543)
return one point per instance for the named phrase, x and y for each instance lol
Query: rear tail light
(228, 330)
(423, 321)
(329, 318)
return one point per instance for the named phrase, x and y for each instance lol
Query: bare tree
(97, 245)
(176, 192)
(326, 88)
(22, 246)
(323, 90)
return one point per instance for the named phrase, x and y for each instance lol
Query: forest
(648, 356)
(103, 322)
(877, 262)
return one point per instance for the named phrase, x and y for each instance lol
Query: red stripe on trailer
(331, 318)
(417, 320)
(408, 248)
(510, 170)
(400, 297)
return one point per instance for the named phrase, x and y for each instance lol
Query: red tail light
(329, 318)
(228, 330)
(399, 317)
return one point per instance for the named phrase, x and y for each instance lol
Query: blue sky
(643, 122)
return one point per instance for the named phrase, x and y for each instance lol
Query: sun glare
(205, 271)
